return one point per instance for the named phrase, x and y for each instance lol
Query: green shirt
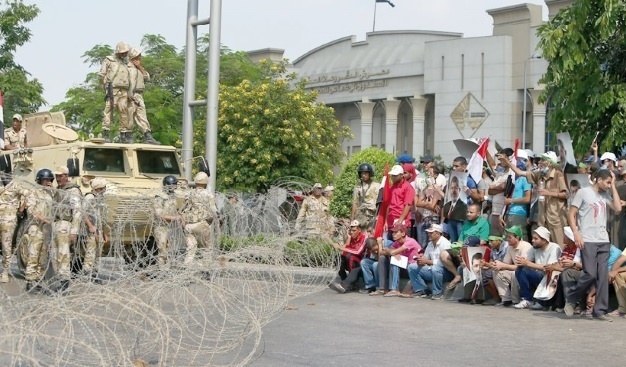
(479, 228)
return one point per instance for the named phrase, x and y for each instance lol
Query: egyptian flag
(385, 197)
(475, 165)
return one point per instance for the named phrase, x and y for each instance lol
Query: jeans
(369, 269)
(528, 280)
(388, 275)
(435, 274)
(454, 228)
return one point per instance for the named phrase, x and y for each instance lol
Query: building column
(418, 105)
(539, 122)
(367, 112)
(391, 124)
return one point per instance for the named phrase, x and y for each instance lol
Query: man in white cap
(530, 270)
(352, 251)
(608, 160)
(199, 213)
(570, 267)
(517, 214)
(429, 268)
(401, 199)
(15, 137)
(314, 212)
(587, 217)
(552, 193)
(95, 216)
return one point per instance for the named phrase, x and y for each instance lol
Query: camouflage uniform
(198, 214)
(39, 201)
(96, 209)
(11, 197)
(116, 71)
(67, 222)
(139, 106)
(365, 196)
(314, 212)
(16, 139)
(164, 205)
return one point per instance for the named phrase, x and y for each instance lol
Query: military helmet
(44, 174)
(134, 52)
(98, 183)
(122, 47)
(170, 180)
(365, 167)
(201, 178)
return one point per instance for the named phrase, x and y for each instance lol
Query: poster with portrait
(565, 149)
(472, 273)
(456, 187)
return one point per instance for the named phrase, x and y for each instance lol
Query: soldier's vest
(44, 203)
(167, 204)
(138, 80)
(198, 207)
(118, 73)
(96, 209)
(64, 209)
(9, 201)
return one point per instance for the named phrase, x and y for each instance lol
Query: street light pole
(526, 91)
(375, 3)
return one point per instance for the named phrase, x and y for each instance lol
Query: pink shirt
(412, 248)
(402, 194)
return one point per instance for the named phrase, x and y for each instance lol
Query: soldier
(167, 219)
(198, 214)
(12, 205)
(137, 77)
(39, 202)
(229, 214)
(15, 137)
(314, 211)
(67, 222)
(365, 196)
(95, 217)
(115, 70)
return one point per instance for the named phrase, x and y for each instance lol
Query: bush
(341, 205)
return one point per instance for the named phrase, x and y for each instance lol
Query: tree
(21, 94)
(341, 205)
(273, 129)
(585, 45)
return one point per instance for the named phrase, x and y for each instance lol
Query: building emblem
(468, 115)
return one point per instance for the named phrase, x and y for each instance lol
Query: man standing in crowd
(519, 200)
(365, 196)
(587, 217)
(11, 201)
(15, 137)
(95, 211)
(314, 211)
(198, 213)
(138, 76)
(454, 211)
(401, 199)
(114, 70)
(552, 193)
(471, 188)
(166, 217)
(504, 271)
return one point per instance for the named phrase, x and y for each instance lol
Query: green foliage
(341, 204)
(585, 45)
(269, 129)
(21, 93)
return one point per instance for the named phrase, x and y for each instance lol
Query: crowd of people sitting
(532, 232)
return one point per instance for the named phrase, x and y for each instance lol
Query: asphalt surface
(330, 329)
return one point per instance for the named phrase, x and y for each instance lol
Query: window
(158, 162)
(104, 160)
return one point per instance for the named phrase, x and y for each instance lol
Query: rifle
(110, 98)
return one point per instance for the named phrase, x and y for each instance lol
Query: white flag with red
(475, 165)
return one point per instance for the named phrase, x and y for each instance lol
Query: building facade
(416, 91)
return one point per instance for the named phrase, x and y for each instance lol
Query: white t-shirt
(549, 255)
(432, 252)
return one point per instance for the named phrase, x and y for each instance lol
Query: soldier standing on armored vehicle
(199, 214)
(67, 221)
(167, 219)
(39, 203)
(138, 76)
(114, 75)
(15, 137)
(95, 217)
(12, 205)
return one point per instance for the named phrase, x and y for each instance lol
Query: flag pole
(374, 23)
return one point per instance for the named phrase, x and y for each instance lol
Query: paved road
(330, 329)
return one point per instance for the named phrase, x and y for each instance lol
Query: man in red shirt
(401, 199)
(352, 251)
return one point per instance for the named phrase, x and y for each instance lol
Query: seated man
(617, 276)
(504, 270)
(428, 268)
(352, 252)
(530, 270)
(498, 252)
(570, 266)
(349, 282)
(402, 246)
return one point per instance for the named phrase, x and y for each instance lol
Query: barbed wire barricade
(139, 306)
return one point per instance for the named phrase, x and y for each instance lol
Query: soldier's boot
(149, 139)
(106, 134)
(32, 287)
(5, 276)
(129, 137)
(123, 138)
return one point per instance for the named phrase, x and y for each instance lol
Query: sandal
(617, 313)
(377, 292)
(404, 295)
(392, 294)
(454, 283)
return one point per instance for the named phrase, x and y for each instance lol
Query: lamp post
(526, 91)
(375, 3)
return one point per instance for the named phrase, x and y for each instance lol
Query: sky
(65, 29)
